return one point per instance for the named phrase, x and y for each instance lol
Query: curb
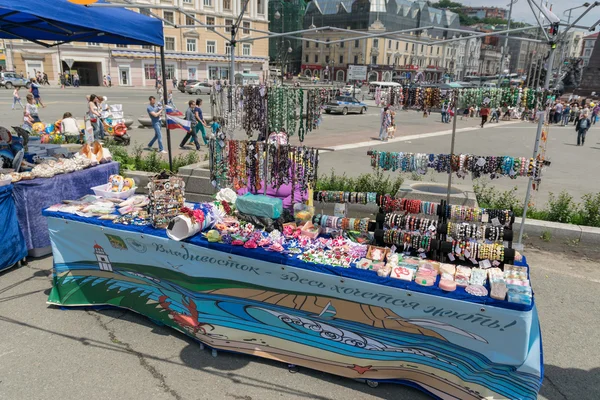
(582, 234)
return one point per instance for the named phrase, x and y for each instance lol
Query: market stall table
(344, 321)
(32, 196)
(13, 247)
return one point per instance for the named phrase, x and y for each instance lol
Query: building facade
(191, 53)
(524, 53)
(387, 58)
(467, 58)
(587, 48)
(485, 12)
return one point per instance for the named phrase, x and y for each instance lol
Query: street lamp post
(501, 67)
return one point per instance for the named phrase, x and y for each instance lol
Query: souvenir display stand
(427, 295)
(33, 196)
(13, 247)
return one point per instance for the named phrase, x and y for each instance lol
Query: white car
(350, 90)
(198, 88)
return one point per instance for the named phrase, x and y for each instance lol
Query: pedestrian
(190, 115)
(444, 112)
(31, 108)
(558, 112)
(104, 81)
(174, 83)
(45, 80)
(581, 128)
(154, 111)
(35, 91)
(170, 99)
(201, 122)
(384, 124)
(94, 115)
(17, 98)
(494, 116)
(27, 121)
(62, 78)
(577, 114)
(484, 112)
(68, 125)
(76, 79)
(392, 131)
(566, 115)
(109, 80)
(595, 112)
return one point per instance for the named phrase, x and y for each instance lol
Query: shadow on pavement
(570, 383)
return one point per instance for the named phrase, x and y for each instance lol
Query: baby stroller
(114, 125)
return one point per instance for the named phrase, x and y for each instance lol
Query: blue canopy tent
(54, 22)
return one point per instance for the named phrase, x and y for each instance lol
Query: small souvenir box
(404, 271)
(519, 294)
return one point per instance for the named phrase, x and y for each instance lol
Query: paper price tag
(423, 255)
(340, 210)
(421, 250)
(474, 261)
(393, 249)
(451, 257)
(467, 254)
(432, 228)
(496, 222)
(495, 263)
(485, 218)
(485, 264)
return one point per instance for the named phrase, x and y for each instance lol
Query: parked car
(350, 90)
(11, 79)
(183, 83)
(344, 105)
(198, 88)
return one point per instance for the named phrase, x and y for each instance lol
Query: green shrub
(377, 181)
(561, 208)
(589, 210)
(150, 162)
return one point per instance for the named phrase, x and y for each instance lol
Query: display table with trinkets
(378, 299)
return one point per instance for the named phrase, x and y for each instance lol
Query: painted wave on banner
(326, 333)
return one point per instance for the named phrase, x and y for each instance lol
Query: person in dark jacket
(581, 128)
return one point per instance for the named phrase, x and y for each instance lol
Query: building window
(438, 50)
(213, 73)
(246, 26)
(146, 47)
(187, 1)
(397, 44)
(190, 45)
(227, 5)
(376, 43)
(389, 44)
(189, 19)
(306, 58)
(211, 47)
(406, 47)
(307, 45)
(168, 16)
(389, 60)
(227, 48)
(326, 59)
(355, 59)
(413, 47)
(229, 23)
(341, 59)
(170, 43)
(317, 45)
(93, 44)
(260, 7)
(149, 71)
(145, 11)
(191, 73)
(121, 46)
(422, 47)
(170, 72)
(246, 49)
(316, 58)
(356, 44)
(374, 60)
(208, 3)
(588, 52)
(210, 21)
(342, 44)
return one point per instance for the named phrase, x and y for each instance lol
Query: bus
(384, 86)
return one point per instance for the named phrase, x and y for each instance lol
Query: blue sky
(522, 12)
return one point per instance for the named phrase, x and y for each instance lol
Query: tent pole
(455, 101)
(165, 99)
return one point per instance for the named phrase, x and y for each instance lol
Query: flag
(173, 111)
(174, 122)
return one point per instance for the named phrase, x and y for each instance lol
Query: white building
(467, 58)
(588, 47)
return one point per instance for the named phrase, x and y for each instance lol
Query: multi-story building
(388, 58)
(570, 47)
(485, 12)
(588, 47)
(191, 53)
(286, 16)
(524, 53)
(467, 58)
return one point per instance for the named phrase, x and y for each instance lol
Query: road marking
(372, 143)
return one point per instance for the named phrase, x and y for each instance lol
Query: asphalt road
(48, 353)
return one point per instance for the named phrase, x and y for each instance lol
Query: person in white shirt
(68, 125)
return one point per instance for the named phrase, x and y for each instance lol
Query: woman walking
(190, 115)
(17, 98)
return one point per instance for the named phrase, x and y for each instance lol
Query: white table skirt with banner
(270, 305)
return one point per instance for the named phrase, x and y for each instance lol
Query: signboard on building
(357, 72)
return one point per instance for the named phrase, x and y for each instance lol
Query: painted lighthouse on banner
(102, 257)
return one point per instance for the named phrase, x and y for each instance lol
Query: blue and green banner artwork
(450, 348)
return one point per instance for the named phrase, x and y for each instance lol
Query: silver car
(344, 105)
(11, 79)
(198, 88)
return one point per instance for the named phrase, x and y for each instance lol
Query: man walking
(190, 115)
(581, 128)
(566, 114)
(76, 79)
(154, 112)
(109, 80)
(485, 111)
